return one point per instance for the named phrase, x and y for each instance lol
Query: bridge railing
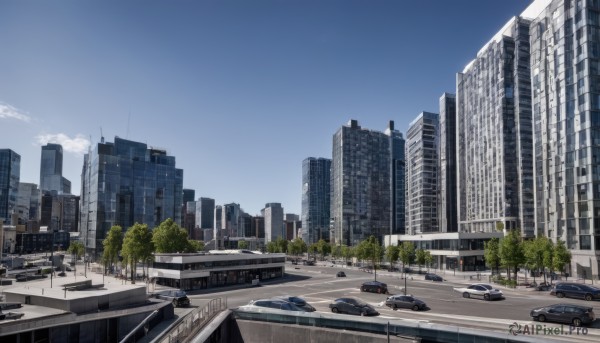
(193, 322)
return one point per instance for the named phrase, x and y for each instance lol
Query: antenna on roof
(101, 136)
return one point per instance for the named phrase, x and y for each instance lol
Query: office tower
(273, 213)
(127, 182)
(218, 218)
(28, 202)
(494, 133)
(361, 190)
(398, 181)
(51, 178)
(205, 213)
(447, 209)
(565, 52)
(10, 173)
(189, 195)
(422, 174)
(291, 223)
(189, 219)
(258, 227)
(230, 220)
(60, 212)
(316, 197)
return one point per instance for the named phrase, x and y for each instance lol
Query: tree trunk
(133, 272)
(508, 273)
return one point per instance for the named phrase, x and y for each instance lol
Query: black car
(297, 301)
(352, 306)
(278, 304)
(433, 277)
(177, 297)
(374, 287)
(575, 290)
(564, 313)
(340, 274)
(405, 301)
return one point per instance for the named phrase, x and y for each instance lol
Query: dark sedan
(340, 274)
(374, 287)
(405, 301)
(564, 313)
(352, 306)
(278, 304)
(298, 302)
(433, 277)
(178, 298)
(576, 290)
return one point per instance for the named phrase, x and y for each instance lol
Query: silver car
(480, 290)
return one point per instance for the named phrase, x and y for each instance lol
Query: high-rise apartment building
(273, 213)
(422, 174)
(127, 182)
(447, 209)
(565, 68)
(494, 133)
(230, 220)
(398, 181)
(51, 178)
(10, 173)
(316, 197)
(361, 184)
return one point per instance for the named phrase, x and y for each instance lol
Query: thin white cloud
(9, 112)
(77, 145)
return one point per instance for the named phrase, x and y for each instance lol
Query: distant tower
(316, 196)
(10, 173)
(51, 166)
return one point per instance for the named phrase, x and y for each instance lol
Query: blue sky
(239, 91)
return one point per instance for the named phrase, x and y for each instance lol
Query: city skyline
(231, 81)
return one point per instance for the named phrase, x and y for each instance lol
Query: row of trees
(138, 243)
(539, 254)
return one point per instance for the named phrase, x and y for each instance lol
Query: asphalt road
(319, 286)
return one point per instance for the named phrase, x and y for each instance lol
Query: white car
(482, 290)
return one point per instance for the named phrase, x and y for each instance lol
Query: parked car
(575, 290)
(352, 306)
(482, 290)
(544, 286)
(297, 301)
(433, 277)
(405, 301)
(564, 313)
(177, 297)
(340, 274)
(374, 287)
(278, 304)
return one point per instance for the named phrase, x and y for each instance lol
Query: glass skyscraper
(422, 174)
(126, 182)
(361, 184)
(316, 196)
(494, 133)
(51, 178)
(398, 181)
(448, 212)
(10, 173)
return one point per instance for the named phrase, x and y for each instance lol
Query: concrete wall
(260, 332)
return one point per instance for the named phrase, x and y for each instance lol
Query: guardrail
(193, 322)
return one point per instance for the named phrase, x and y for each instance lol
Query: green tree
(511, 252)
(77, 249)
(420, 257)
(336, 251)
(195, 245)
(312, 249)
(534, 252)
(561, 256)
(428, 259)
(137, 246)
(323, 248)
(297, 247)
(406, 251)
(491, 253)
(169, 237)
(242, 244)
(272, 247)
(392, 252)
(549, 258)
(347, 253)
(113, 243)
(370, 250)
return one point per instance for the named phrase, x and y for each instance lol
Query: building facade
(273, 213)
(422, 174)
(28, 202)
(398, 181)
(205, 210)
(447, 209)
(494, 133)
(361, 184)
(316, 197)
(127, 182)
(10, 173)
(565, 67)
